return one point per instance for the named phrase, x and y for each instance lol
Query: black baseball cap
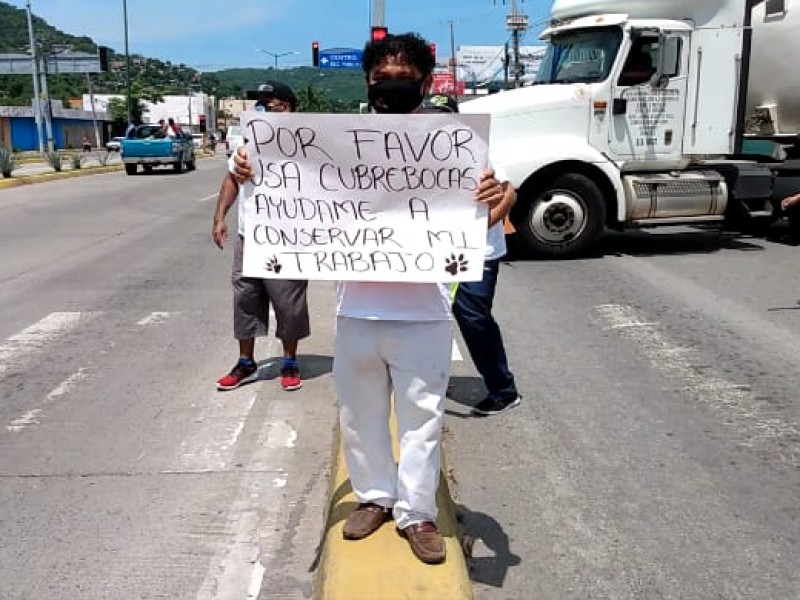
(274, 89)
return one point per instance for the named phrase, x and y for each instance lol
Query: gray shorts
(252, 298)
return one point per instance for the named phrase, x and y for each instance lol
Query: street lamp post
(128, 102)
(277, 56)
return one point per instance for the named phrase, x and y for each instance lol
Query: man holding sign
(252, 297)
(392, 208)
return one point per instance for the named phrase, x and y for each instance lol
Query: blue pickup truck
(148, 150)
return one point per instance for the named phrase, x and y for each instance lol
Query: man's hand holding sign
(366, 197)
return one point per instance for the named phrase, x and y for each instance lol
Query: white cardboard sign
(365, 197)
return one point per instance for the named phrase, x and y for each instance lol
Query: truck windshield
(583, 56)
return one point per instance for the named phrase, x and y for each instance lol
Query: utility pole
(37, 102)
(453, 63)
(94, 110)
(129, 103)
(377, 14)
(505, 66)
(517, 23)
(48, 113)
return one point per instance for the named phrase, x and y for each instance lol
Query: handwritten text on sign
(365, 197)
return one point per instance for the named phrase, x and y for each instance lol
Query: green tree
(313, 99)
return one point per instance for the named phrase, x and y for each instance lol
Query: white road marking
(32, 416)
(66, 385)
(211, 447)
(207, 198)
(741, 408)
(256, 578)
(25, 421)
(455, 354)
(37, 337)
(156, 318)
(279, 435)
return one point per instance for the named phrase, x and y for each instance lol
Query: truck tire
(562, 218)
(190, 165)
(131, 169)
(178, 166)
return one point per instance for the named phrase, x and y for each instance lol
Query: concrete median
(382, 565)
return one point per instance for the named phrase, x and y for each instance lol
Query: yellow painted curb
(382, 566)
(30, 179)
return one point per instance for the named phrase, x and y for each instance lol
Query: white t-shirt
(393, 301)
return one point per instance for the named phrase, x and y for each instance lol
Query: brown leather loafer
(426, 542)
(364, 520)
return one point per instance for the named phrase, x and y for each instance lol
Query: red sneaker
(290, 377)
(243, 372)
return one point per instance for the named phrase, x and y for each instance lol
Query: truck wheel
(190, 165)
(562, 219)
(131, 169)
(178, 166)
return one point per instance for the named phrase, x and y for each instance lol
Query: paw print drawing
(273, 265)
(454, 264)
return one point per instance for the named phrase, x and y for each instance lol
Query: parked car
(233, 139)
(197, 139)
(150, 151)
(114, 144)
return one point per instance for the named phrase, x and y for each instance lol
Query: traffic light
(315, 53)
(202, 120)
(379, 33)
(102, 53)
(433, 51)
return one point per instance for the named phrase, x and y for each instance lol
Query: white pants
(413, 357)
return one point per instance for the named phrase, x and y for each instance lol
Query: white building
(188, 111)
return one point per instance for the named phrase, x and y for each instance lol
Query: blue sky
(214, 34)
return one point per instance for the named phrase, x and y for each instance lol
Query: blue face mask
(260, 107)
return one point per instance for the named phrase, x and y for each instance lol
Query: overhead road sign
(340, 58)
(63, 62)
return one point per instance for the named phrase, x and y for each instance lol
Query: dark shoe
(426, 542)
(492, 405)
(364, 520)
(243, 372)
(290, 376)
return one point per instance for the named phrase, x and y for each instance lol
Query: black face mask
(395, 96)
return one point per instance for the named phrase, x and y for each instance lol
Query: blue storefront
(18, 127)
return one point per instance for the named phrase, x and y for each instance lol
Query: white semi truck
(652, 112)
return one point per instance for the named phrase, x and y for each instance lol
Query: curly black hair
(412, 46)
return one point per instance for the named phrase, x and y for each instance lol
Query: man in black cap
(274, 96)
(251, 296)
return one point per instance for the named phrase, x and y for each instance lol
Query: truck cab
(634, 120)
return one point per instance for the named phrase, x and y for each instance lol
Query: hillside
(343, 89)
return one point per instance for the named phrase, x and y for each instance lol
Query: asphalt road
(656, 453)
(123, 472)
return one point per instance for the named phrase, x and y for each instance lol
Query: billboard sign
(482, 64)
